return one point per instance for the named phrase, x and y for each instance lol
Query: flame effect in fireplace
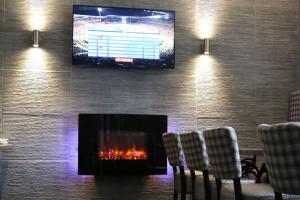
(130, 154)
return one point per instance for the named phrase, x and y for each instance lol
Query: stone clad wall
(245, 81)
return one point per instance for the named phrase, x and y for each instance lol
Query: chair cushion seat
(188, 181)
(250, 192)
(199, 186)
(290, 197)
(243, 181)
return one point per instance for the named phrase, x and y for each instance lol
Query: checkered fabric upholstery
(294, 106)
(282, 152)
(194, 150)
(173, 149)
(223, 152)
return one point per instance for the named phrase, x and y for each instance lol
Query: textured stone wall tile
(42, 180)
(244, 82)
(244, 126)
(30, 14)
(276, 32)
(1, 103)
(52, 180)
(233, 38)
(36, 137)
(182, 123)
(1, 48)
(223, 96)
(2, 13)
(276, 76)
(17, 15)
(21, 20)
(278, 52)
(18, 53)
(272, 104)
(249, 63)
(30, 92)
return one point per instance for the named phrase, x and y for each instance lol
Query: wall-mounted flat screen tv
(123, 37)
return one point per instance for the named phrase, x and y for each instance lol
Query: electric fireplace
(121, 144)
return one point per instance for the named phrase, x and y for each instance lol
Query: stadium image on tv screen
(127, 37)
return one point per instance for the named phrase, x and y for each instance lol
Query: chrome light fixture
(36, 38)
(205, 46)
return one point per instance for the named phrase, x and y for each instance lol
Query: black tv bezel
(125, 65)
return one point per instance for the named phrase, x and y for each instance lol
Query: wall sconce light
(36, 38)
(204, 46)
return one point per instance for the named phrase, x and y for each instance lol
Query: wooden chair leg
(206, 181)
(183, 196)
(175, 194)
(237, 189)
(278, 196)
(182, 182)
(219, 187)
(193, 177)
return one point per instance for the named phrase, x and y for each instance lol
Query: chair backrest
(173, 149)
(223, 152)
(281, 144)
(294, 106)
(194, 150)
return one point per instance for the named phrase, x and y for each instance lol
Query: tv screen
(123, 37)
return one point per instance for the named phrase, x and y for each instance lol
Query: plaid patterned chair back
(173, 149)
(294, 106)
(282, 152)
(223, 152)
(194, 150)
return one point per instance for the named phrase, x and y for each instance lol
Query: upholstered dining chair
(224, 159)
(281, 145)
(196, 158)
(175, 155)
(294, 106)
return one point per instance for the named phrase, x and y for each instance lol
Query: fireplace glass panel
(122, 145)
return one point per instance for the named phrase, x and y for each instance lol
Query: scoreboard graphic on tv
(107, 36)
(115, 42)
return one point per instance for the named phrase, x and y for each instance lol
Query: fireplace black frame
(88, 161)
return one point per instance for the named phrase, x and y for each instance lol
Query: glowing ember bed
(130, 154)
(121, 143)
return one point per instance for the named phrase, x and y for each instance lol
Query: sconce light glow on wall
(36, 38)
(205, 46)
